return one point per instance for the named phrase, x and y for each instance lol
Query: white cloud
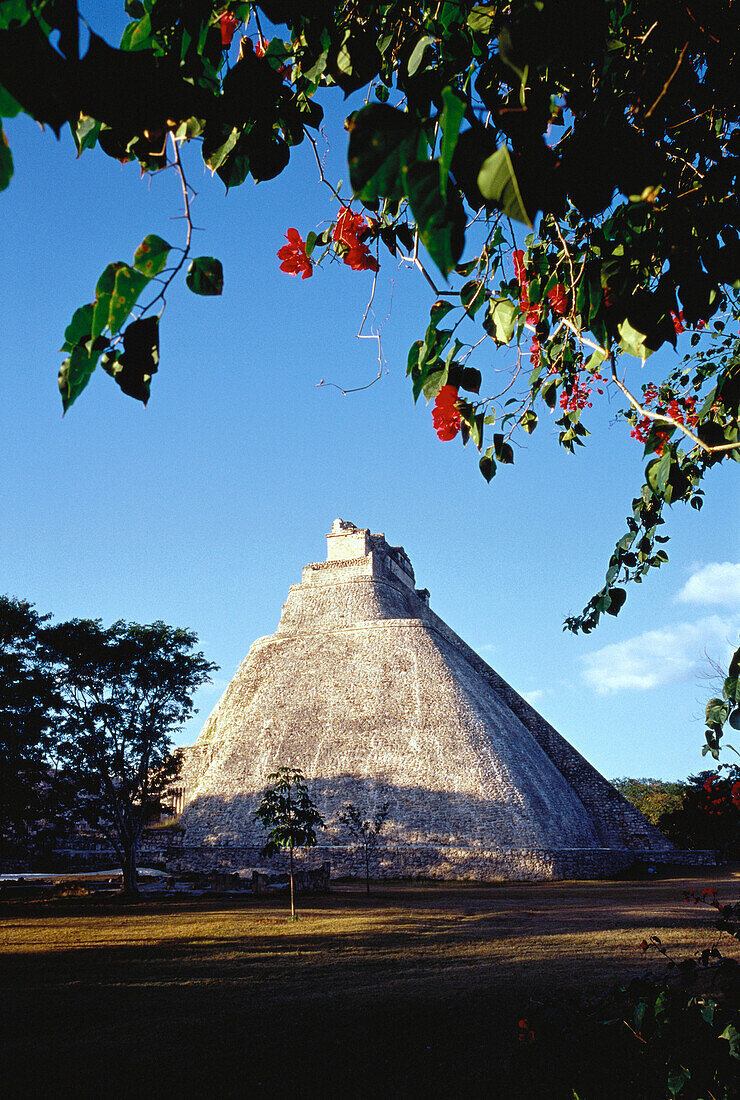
(660, 657)
(718, 582)
(533, 696)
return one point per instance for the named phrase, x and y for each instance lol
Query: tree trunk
(128, 866)
(367, 870)
(292, 886)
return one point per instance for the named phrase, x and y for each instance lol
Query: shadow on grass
(419, 991)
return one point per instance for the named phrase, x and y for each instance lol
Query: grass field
(416, 990)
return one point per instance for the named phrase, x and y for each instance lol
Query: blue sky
(202, 508)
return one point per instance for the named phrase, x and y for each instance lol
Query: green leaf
(487, 465)
(473, 296)
(439, 311)
(453, 109)
(658, 472)
(14, 13)
(504, 451)
(9, 107)
(676, 1080)
(75, 372)
(529, 421)
(595, 360)
(481, 17)
(85, 133)
(127, 287)
(234, 169)
(441, 223)
(633, 341)
(6, 161)
(433, 383)
(412, 361)
(103, 295)
(500, 319)
(217, 144)
(151, 255)
(205, 276)
(382, 140)
(498, 185)
(732, 1035)
(138, 36)
(417, 54)
(716, 712)
(79, 328)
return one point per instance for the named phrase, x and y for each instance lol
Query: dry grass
(418, 985)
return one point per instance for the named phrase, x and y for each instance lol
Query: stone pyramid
(373, 696)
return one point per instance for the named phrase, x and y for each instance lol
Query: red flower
(350, 231)
(678, 322)
(293, 255)
(521, 275)
(260, 47)
(359, 258)
(350, 228)
(558, 299)
(445, 417)
(535, 352)
(228, 24)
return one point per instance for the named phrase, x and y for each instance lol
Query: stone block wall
(395, 861)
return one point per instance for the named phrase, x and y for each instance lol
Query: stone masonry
(373, 696)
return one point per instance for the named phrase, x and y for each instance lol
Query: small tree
(365, 830)
(124, 691)
(288, 812)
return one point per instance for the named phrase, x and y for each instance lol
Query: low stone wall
(388, 861)
(426, 861)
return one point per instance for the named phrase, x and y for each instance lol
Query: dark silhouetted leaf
(441, 223)
(381, 141)
(133, 369)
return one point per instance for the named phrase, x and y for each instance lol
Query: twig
(363, 336)
(670, 78)
(186, 198)
(565, 250)
(322, 177)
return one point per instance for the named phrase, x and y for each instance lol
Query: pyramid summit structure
(378, 701)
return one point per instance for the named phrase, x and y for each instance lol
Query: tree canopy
(561, 173)
(28, 703)
(124, 692)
